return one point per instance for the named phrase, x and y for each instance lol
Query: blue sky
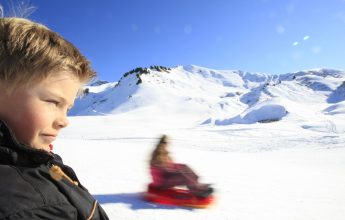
(271, 36)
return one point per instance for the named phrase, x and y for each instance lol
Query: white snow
(338, 108)
(292, 168)
(261, 112)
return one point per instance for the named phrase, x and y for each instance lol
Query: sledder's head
(40, 76)
(162, 146)
(160, 155)
(163, 140)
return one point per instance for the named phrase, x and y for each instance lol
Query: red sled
(176, 197)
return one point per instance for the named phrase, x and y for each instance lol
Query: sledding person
(167, 174)
(40, 76)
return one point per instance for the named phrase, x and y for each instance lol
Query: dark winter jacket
(35, 184)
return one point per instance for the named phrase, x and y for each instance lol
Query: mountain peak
(217, 96)
(139, 71)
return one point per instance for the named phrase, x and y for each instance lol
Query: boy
(40, 76)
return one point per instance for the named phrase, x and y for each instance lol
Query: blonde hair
(160, 155)
(30, 52)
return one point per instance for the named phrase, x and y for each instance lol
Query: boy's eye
(53, 102)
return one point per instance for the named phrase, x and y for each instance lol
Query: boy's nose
(62, 122)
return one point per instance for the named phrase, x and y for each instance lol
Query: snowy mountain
(289, 169)
(217, 97)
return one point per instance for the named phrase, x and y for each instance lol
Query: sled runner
(177, 197)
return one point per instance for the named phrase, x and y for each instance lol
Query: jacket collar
(12, 152)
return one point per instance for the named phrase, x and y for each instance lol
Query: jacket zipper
(57, 174)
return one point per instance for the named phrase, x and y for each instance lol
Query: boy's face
(36, 113)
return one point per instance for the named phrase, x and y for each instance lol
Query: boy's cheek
(24, 136)
(31, 125)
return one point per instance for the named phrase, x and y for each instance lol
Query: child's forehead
(60, 77)
(58, 81)
(59, 86)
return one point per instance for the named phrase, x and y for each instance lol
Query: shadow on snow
(134, 200)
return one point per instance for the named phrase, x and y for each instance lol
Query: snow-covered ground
(260, 171)
(291, 168)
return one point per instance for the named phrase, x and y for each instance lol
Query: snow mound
(267, 111)
(335, 109)
(338, 94)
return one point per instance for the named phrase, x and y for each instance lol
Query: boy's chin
(44, 147)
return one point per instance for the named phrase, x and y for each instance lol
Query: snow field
(265, 180)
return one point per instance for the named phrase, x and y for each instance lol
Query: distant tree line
(138, 70)
(143, 70)
(160, 68)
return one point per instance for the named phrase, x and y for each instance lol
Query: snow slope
(290, 167)
(198, 95)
